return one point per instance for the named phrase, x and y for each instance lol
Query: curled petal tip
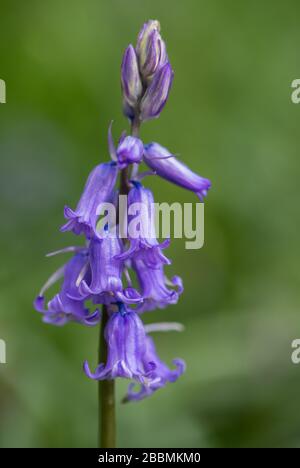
(93, 319)
(87, 371)
(39, 304)
(181, 366)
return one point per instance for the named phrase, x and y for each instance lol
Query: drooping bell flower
(167, 166)
(141, 227)
(160, 375)
(156, 289)
(126, 346)
(106, 272)
(68, 305)
(98, 189)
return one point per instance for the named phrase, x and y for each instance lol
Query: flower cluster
(100, 273)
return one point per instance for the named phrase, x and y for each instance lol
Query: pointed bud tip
(130, 77)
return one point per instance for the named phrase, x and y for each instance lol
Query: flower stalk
(106, 395)
(100, 272)
(106, 388)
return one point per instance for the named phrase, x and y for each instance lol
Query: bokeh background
(231, 118)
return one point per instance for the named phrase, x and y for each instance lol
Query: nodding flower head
(167, 166)
(141, 227)
(100, 272)
(126, 345)
(106, 273)
(98, 189)
(68, 305)
(132, 355)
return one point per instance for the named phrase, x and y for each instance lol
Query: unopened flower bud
(130, 78)
(165, 165)
(130, 150)
(143, 38)
(154, 56)
(157, 93)
(128, 111)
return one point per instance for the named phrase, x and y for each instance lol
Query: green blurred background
(231, 118)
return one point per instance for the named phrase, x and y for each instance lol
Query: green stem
(106, 390)
(135, 127)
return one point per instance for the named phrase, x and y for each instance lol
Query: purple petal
(129, 151)
(154, 55)
(98, 189)
(68, 305)
(130, 77)
(126, 342)
(106, 270)
(153, 285)
(160, 160)
(157, 93)
(161, 374)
